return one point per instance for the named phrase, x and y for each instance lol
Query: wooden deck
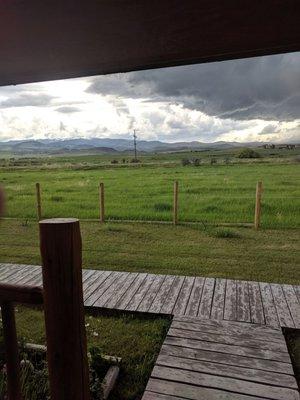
(207, 298)
(225, 341)
(222, 360)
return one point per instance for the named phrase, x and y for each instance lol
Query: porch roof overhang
(58, 39)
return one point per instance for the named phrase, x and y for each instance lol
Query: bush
(114, 162)
(135, 161)
(185, 162)
(197, 162)
(225, 233)
(248, 153)
(213, 161)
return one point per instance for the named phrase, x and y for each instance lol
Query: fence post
(11, 351)
(258, 205)
(38, 201)
(175, 203)
(60, 244)
(101, 202)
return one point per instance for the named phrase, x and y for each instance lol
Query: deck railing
(62, 298)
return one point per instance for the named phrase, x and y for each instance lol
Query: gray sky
(243, 100)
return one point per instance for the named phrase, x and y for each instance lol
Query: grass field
(209, 193)
(240, 253)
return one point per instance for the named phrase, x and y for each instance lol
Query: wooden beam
(21, 294)
(60, 243)
(11, 351)
(46, 40)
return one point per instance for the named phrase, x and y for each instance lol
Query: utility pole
(134, 143)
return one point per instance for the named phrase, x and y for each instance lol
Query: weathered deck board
(268, 304)
(256, 306)
(161, 295)
(293, 303)
(206, 298)
(195, 297)
(218, 303)
(230, 363)
(281, 306)
(140, 293)
(184, 296)
(230, 300)
(123, 302)
(243, 302)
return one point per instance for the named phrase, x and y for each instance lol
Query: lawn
(208, 194)
(136, 340)
(240, 253)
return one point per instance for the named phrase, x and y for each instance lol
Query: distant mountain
(104, 145)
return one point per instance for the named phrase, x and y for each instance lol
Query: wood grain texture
(60, 244)
(257, 303)
(222, 360)
(207, 297)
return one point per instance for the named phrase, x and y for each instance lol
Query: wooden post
(60, 244)
(175, 203)
(258, 205)
(101, 202)
(38, 201)
(11, 351)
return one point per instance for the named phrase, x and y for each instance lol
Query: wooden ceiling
(54, 39)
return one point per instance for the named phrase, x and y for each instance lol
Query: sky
(254, 99)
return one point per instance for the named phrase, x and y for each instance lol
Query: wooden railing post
(101, 202)
(11, 351)
(60, 243)
(258, 205)
(38, 201)
(175, 203)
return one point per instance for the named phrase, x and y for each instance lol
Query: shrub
(162, 207)
(185, 162)
(248, 153)
(225, 233)
(135, 160)
(114, 162)
(196, 162)
(213, 160)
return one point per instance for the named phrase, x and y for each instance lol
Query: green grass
(137, 341)
(266, 255)
(212, 194)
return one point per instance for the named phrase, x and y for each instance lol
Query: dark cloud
(271, 128)
(256, 88)
(67, 109)
(27, 100)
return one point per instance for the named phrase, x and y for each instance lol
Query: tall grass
(221, 193)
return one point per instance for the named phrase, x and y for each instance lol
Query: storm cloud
(67, 109)
(27, 100)
(257, 88)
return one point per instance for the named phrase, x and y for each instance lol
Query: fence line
(175, 215)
